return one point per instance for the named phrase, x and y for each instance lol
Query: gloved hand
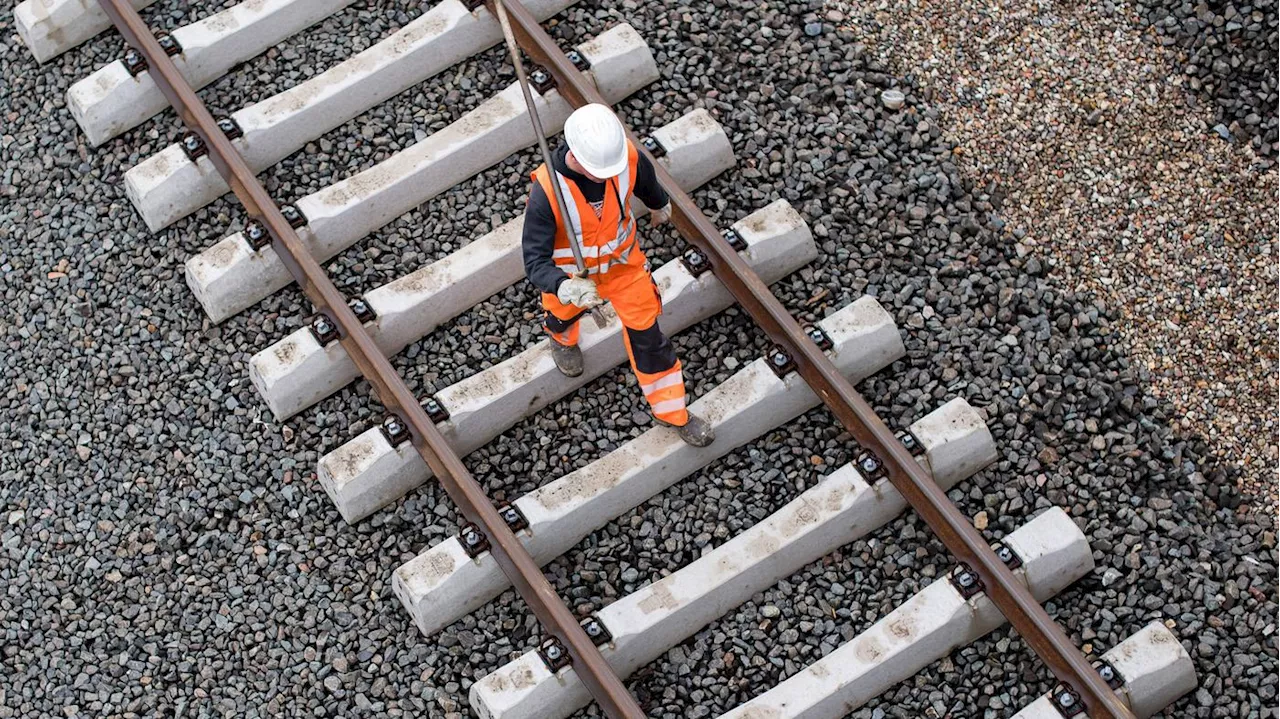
(579, 291)
(660, 215)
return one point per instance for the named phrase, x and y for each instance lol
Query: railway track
(423, 438)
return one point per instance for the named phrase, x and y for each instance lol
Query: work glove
(579, 291)
(660, 215)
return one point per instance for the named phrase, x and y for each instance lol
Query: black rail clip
(911, 442)
(735, 240)
(579, 60)
(324, 329)
(695, 262)
(1108, 673)
(596, 630)
(514, 518)
(471, 5)
(819, 337)
(168, 44)
(965, 580)
(396, 431)
(553, 655)
(474, 543)
(256, 233)
(435, 410)
(780, 361)
(194, 147)
(363, 311)
(1066, 701)
(869, 466)
(134, 61)
(1006, 554)
(230, 128)
(541, 80)
(293, 216)
(654, 147)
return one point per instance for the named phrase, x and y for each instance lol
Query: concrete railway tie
(51, 27)
(1150, 671)
(116, 97)
(169, 185)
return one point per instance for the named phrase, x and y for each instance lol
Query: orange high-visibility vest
(607, 240)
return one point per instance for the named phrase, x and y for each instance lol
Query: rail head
(1013, 599)
(562, 628)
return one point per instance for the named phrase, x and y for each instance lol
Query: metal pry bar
(514, 49)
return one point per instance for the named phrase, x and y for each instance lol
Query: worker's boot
(697, 432)
(568, 358)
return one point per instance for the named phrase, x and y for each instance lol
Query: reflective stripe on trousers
(663, 390)
(631, 292)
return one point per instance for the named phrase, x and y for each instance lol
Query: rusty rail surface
(964, 542)
(525, 574)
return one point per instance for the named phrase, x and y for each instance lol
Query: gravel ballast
(166, 550)
(1229, 55)
(1112, 177)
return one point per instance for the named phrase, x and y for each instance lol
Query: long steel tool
(491, 527)
(574, 245)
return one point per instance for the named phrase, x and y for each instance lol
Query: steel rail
(525, 574)
(1013, 599)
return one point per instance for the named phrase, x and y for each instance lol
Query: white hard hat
(597, 140)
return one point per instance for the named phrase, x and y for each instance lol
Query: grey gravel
(1088, 136)
(1230, 62)
(223, 583)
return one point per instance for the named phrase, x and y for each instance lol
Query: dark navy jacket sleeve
(647, 187)
(539, 241)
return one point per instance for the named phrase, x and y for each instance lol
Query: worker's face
(578, 168)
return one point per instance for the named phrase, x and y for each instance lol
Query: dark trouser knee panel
(651, 349)
(557, 325)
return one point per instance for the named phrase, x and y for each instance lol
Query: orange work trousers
(631, 291)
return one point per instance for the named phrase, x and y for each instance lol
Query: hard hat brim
(613, 169)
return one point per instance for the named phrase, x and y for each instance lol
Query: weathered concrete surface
(646, 623)
(231, 275)
(442, 584)
(1156, 670)
(297, 372)
(167, 186)
(926, 628)
(51, 27)
(366, 473)
(111, 101)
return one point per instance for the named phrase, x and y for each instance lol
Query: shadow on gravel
(1231, 57)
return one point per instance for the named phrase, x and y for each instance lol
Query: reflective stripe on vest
(599, 253)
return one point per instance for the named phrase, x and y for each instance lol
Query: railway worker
(599, 171)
